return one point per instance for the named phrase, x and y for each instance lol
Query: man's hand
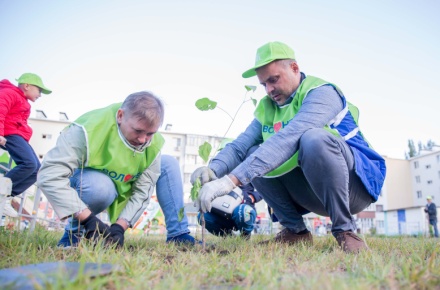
(204, 173)
(116, 236)
(95, 228)
(250, 199)
(3, 141)
(214, 189)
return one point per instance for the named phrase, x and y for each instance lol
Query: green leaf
(254, 102)
(205, 150)
(205, 104)
(195, 189)
(181, 214)
(250, 88)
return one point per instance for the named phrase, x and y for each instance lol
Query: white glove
(204, 173)
(214, 189)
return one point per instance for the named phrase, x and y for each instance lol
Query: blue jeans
(433, 223)
(325, 183)
(243, 219)
(24, 174)
(98, 192)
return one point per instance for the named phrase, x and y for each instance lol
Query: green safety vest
(274, 118)
(106, 151)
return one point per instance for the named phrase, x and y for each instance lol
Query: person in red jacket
(15, 132)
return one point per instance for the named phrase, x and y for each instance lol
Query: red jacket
(14, 111)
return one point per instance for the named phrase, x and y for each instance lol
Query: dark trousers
(325, 183)
(24, 174)
(433, 223)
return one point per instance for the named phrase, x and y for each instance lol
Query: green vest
(106, 151)
(273, 118)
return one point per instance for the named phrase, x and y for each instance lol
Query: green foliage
(412, 148)
(204, 151)
(250, 88)
(195, 189)
(181, 214)
(205, 104)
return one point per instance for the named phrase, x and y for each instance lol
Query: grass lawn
(149, 263)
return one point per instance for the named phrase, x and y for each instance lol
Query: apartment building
(407, 185)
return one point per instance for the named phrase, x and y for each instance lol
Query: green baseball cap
(268, 53)
(429, 197)
(33, 79)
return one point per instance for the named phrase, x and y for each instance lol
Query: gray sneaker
(8, 209)
(288, 237)
(350, 242)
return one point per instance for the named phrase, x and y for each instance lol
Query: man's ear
(119, 115)
(294, 66)
(25, 87)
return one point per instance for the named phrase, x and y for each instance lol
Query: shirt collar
(140, 148)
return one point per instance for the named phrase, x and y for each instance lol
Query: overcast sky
(382, 54)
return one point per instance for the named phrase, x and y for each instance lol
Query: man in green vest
(109, 159)
(312, 158)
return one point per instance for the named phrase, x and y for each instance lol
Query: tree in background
(412, 148)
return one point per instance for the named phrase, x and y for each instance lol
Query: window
(191, 141)
(177, 142)
(186, 178)
(429, 181)
(380, 224)
(201, 140)
(438, 158)
(40, 156)
(417, 179)
(191, 159)
(47, 136)
(379, 208)
(428, 166)
(419, 194)
(416, 164)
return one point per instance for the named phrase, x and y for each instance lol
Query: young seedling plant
(205, 104)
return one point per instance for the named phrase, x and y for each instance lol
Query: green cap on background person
(33, 79)
(268, 53)
(429, 197)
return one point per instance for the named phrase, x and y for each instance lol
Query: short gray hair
(286, 62)
(144, 106)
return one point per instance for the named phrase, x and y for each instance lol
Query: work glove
(212, 190)
(204, 173)
(116, 236)
(248, 200)
(94, 228)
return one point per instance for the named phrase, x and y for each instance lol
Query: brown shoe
(288, 237)
(350, 242)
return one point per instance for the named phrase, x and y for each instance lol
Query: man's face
(32, 92)
(429, 201)
(280, 80)
(136, 131)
